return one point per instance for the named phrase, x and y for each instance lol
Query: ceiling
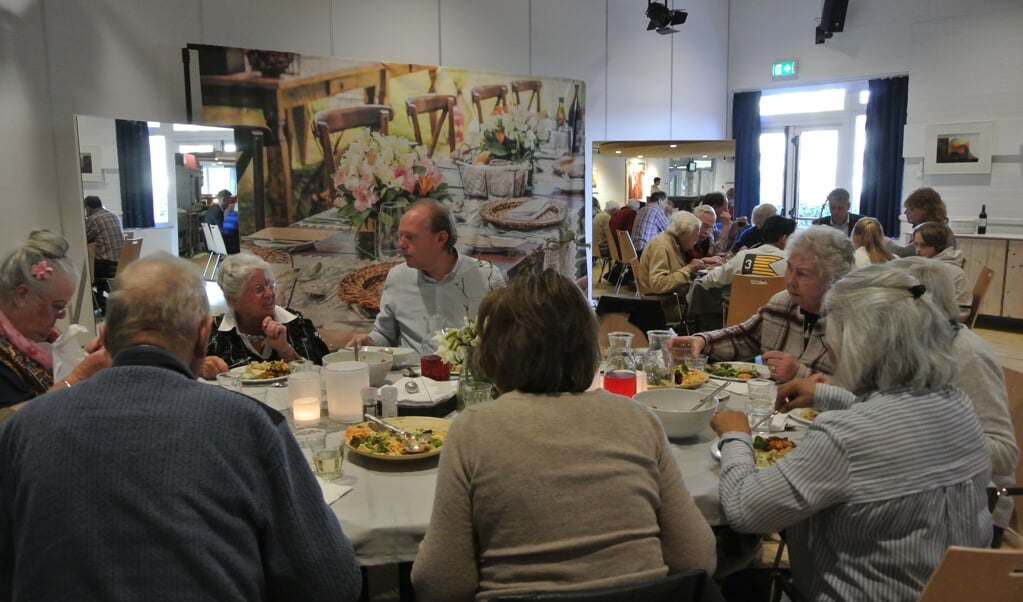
(667, 149)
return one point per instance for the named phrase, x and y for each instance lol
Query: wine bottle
(982, 220)
(575, 120)
(559, 117)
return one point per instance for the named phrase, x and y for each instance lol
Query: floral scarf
(31, 361)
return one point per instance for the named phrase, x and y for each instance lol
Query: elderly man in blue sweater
(144, 484)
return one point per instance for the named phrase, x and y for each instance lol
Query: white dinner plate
(760, 369)
(797, 415)
(256, 381)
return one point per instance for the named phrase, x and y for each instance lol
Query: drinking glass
(477, 392)
(762, 394)
(327, 462)
(698, 362)
(231, 382)
(310, 440)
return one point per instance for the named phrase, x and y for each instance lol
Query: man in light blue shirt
(434, 280)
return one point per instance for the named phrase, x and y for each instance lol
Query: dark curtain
(882, 153)
(136, 173)
(746, 132)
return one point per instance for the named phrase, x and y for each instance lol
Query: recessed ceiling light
(618, 152)
(673, 145)
(639, 156)
(704, 156)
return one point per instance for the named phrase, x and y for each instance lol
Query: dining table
(387, 509)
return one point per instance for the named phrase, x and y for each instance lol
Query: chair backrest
(984, 279)
(612, 243)
(1014, 386)
(750, 293)
(215, 239)
(92, 259)
(481, 93)
(626, 246)
(641, 276)
(976, 574)
(680, 587)
(329, 121)
(528, 85)
(431, 105)
(130, 251)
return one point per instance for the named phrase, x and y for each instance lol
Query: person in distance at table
(979, 376)
(254, 328)
(37, 281)
(751, 237)
(651, 220)
(788, 332)
(935, 241)
(668, 270)
(434, 279)
(149, 485)
(868, 240)
(922, 205)
(539, 514)
(840, 218)
(103, 228)
(704, 247)
(871, 497)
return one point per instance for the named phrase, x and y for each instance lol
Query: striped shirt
(779, 325)
(872, 496)
(104, 228)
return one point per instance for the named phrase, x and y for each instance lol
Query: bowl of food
(379, 362)
(674, 407)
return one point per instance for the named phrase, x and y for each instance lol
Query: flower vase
(388, 218)
(469, 375)
(366, 239)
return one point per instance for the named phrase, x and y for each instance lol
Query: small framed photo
(90, 163)
(954, 148)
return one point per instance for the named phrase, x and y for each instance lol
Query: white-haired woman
(752, 236)
(871, 497)
(255, 328)
(788, 332)
(37, 281)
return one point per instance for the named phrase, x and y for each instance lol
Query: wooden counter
(1003, 254)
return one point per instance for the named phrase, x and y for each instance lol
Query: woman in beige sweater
(553, 486)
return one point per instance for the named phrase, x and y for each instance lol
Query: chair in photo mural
(438, 108)
(498, 92)
(328, 124)
(532, 86)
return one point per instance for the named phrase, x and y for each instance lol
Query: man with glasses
(840, 218)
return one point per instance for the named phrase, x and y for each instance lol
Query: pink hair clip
(41, 271)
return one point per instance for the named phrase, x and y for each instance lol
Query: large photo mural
(349, 144)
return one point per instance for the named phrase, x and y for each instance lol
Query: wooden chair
(527, 85)
(628, 253)
(680, 587)
(1014, 386)
(130, 251)
(980, 287)
(481, 93)
(750, 293)
(438, 107)
(616, 256)
(599, 258)
(976, 574)
(331, 121)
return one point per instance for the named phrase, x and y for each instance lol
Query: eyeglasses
(266, 286)
(59, 308)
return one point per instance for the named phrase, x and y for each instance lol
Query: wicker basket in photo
(363, 286)
(497, 180)
(496, 212)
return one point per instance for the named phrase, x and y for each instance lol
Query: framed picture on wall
(90, 162)
(954, 148)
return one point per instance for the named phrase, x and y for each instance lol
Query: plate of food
(261, 373)
(683, 379)
(804, 415)
(738, 371)
(362, 439)
(767, 450)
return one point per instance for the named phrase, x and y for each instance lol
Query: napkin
(778, 422)
(529, 210)
(332, 492)
(67, 352)
(430, 391)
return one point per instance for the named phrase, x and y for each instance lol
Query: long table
(386, 514)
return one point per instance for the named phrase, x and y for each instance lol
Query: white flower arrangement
(451, 341)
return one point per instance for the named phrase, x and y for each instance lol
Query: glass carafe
(657, 361)
(620, 367)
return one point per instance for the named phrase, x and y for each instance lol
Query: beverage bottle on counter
(575, 120)
(559, 117)
(982, 220)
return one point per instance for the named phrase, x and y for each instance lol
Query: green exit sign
(783, 69)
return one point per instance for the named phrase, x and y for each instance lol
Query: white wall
(964, 61)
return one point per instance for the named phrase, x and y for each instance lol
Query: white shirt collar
(230, 321)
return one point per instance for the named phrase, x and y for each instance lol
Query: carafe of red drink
(620, 367)
(430, 363)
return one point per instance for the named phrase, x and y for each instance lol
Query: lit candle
(306, 409)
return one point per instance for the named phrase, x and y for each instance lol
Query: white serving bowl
(673, 406)
(379, 363)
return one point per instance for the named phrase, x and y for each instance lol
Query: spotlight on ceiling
(662, 18)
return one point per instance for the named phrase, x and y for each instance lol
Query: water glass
(256, 392)
(698, 362)
(303, 365)
(327, 462)
(310, 441)
(231, 382)
(762, 395)
(478, 392)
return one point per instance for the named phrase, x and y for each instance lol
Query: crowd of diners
(126, 477)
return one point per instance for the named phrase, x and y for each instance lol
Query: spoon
(700, 403)
(409, 442)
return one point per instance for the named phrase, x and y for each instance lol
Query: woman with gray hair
(752, 237)
(788, 332)
(37, 281)
(255, 328)
(871, 497)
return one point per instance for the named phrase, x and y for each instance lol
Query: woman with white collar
(255, 328)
